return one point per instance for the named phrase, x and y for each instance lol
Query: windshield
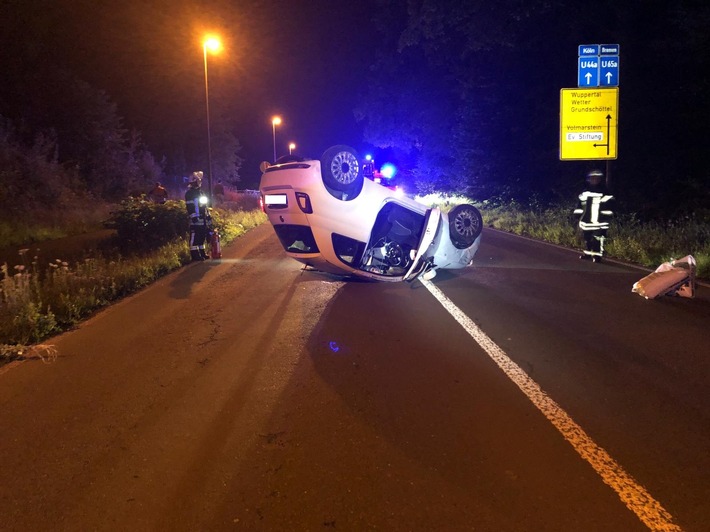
(393, 241)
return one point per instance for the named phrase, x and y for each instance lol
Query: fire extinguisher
(215, 245)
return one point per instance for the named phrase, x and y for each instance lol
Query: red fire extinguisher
(215, 246)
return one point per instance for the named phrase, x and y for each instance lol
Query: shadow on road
(182, 284)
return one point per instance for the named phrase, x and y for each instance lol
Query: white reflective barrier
(674, 278)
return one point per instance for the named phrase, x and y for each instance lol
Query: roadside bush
(142, 225)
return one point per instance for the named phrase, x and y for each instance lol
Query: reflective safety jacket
(196, 204)
(594, 208)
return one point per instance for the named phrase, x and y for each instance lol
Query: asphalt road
(246, 394)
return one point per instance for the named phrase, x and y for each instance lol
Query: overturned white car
(330, 218)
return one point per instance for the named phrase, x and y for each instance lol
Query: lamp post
(291, 147)
(213, 45)
(275, 121)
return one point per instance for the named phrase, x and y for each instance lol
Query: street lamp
(213, 45)
(275, 121)
(291, 147)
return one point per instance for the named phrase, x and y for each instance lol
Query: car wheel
(465, 225)
(342, 171)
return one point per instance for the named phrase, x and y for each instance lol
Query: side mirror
(263, 166)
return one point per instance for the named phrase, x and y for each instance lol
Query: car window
(348, 249)
(296, 238)
(393, 241)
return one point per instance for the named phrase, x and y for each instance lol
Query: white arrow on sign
(608, 77)
(589, 77)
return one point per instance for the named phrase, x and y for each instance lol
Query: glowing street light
(212, 44)
(291, 147)
(275, 121)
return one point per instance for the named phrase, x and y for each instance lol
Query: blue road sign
(609, 49)
(588, 71)
(609, 70)
(598, 65)
(588, 49)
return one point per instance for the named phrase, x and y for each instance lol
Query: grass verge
(40, 300)
(648, 244)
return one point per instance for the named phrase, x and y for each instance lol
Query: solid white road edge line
(634, 496)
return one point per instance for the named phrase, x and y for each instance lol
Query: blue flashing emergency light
(388, 170)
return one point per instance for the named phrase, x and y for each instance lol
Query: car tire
(465, 225)
(342, 171)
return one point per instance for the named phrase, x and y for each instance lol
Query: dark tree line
(62, 122)
(75, 132)
(61, 134)
(468, 95)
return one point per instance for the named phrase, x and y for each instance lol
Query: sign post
(589, 115)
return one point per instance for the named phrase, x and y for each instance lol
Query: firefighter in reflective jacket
(594, 210)
(197, 202)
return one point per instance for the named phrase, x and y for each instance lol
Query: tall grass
(40, 300)
(645, 243)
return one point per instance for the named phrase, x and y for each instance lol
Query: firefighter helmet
(196, 179)
(594, 173)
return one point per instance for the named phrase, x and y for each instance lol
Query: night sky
(308, 62)
(305, 61)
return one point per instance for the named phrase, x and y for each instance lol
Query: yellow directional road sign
(588, 123)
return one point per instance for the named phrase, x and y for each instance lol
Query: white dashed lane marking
(634, 496)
